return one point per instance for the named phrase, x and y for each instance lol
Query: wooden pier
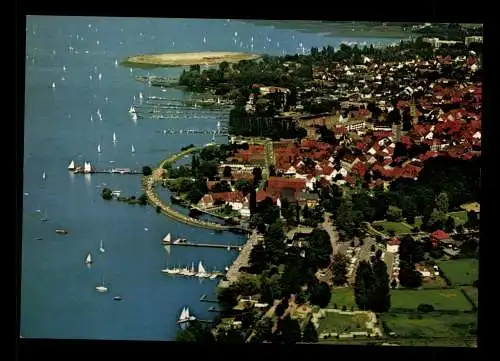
(110, 171)
(206, 245)
(204, 298)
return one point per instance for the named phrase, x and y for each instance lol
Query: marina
(191, 272)
(167, 240)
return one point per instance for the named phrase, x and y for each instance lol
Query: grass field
(343, 296)
(334, 322)
(433, 325)
(444, 299)
(397, 227)
(472, 293)
(460, 217)
(460, 271)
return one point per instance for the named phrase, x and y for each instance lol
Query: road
(332, 232)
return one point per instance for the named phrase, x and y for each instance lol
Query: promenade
(242, 260)
(149, 189)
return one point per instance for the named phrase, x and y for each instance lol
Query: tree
(230, 335)
(320, 295)
(195, 163)
(363, 285)
(227, 172)
(196, 332)
(436, 219)
(410, 251)
(345, 220)
(339, 269)
(449, 224)
(263, 330)
(394, 214)
(143, 199)
(146, 170)
(107, 194)
(408, 276)
(381, 297)
(310, 333)
(290, 330)
(442, 202)
(253, 201)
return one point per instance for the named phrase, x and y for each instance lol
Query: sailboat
(71, 165)
(114, 137)
(101, 248)
(131, 110)
(167, 239)
(98, 148)
(101, 288)
(202, 273)
(43, 175)
(228, 247)
(133, 149)
(185, 316)
(88, 259)
(191, 271)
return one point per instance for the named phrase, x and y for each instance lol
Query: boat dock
(204, 298)
(206, 245)
(109, 171)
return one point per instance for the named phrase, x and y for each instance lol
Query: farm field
(460, 217)
(460, 271)
(397, 227)
(338, 323)
(432, 325)
(472, 293)
(441, 299)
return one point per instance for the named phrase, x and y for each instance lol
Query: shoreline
(186, 59)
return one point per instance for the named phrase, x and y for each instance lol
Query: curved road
(149, 189)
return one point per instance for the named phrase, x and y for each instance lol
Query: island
(187, 59)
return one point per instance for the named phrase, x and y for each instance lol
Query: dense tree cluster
(371, 286)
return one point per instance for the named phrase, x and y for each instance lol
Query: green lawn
(460, 217)
(397, 227)
(342, 296)
(338, 323)
(418, 221)
(472, 293)
(441, 299)
(432, 325)
(460, 271)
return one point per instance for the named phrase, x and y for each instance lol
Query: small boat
(98, 148)
(101, 248)
(133, 149)
(131, 109)
(53, 85)
(117, 298)
(146, 229)
(61, 231)
(26, 194)
(171, 271)
(38, 238)
(45, 217)
(88, 259)
(71, 165)
(202, 273)
(229, 247)
(114, 138)
(43, 175)
(101, 288)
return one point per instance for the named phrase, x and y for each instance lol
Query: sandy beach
(186, 59)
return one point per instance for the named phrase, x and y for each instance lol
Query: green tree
(146, 170)
(442, 202)
(408, 276)
(143, 199)
(436, 219)
(263, 330)
(231, 335)
(339, 269)
(381, 296)
(106, 194)
(227, 172)
(345, 218)
(320, 295)
(449, 224)
(290, 330)
(394, 214)
(363, 285)
(196, 332)
(310, 333)
(227, 297)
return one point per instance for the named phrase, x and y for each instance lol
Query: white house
(393, 245)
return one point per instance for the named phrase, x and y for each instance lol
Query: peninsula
(187, 59)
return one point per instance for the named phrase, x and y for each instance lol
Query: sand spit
(186, 59)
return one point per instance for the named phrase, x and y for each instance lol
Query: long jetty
(205, 245)
(149, 189)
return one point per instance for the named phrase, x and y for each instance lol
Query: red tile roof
(439, 235)
(228, 196)
(280, 183)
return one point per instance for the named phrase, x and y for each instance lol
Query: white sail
(43, 175)
(101, 248)
(71, 165)
(53, 85)
(114, 137)
(131, 110)
(186, 315)
(201, 269)
(183, 317)
(134, 117)
(88, 260)
(133, 149)
(168, 248)
(167, 238)
(99, 148)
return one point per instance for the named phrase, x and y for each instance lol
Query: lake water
(58, 297)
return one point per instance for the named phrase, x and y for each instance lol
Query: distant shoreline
(186, 59)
